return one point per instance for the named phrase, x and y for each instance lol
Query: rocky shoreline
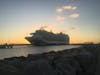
(77, 61)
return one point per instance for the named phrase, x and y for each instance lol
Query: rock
(67, 65)
(35, 57)
(51, 55)
(39, 67)
(87, 63)
(6, 69)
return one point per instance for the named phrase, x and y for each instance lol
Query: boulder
(67, 65)
(6, 69)
(87, 63)
(39, 67)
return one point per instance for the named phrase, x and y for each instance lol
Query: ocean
(24, 50)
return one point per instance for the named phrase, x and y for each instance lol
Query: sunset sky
(80, 19)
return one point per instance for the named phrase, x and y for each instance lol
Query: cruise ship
(43, 37)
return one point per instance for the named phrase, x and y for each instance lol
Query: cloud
(74, 8)
(44, 27)
(66, 7)
(69, 7)
(60, 18)
(74, 28)
(59, 10)
(74, 15)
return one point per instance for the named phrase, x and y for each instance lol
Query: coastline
(76, 61)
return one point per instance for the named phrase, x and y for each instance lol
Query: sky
(80, 19)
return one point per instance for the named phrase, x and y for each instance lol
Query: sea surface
(24, 50)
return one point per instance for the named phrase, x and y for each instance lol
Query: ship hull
(41, 42)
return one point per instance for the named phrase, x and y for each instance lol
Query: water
(27, 49)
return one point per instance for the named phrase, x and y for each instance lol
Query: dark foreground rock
(78, 61)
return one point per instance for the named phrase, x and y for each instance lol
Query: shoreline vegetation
(84, 60)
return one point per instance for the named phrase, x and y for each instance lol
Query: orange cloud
(44, 27)
(59, 10)
(74, 8)
(60, 18)
(74, 15)
(69, 7)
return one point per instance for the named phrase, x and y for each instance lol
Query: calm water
(26, 49)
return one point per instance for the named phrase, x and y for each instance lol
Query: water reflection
(26, 49)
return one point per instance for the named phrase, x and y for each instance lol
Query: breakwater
(76, 61)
